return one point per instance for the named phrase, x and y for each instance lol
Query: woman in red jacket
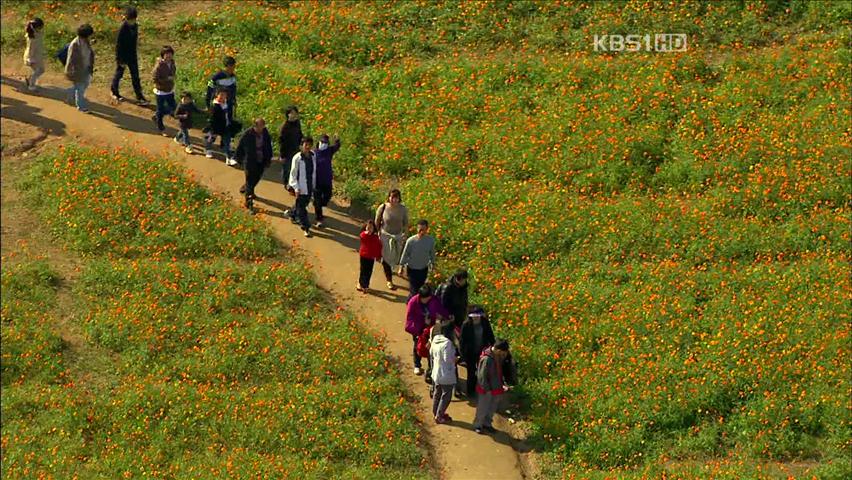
(370, 252)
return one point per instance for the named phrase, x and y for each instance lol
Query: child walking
(370, 252)
(34, 53)
(79, 66)
(443, 358)
(224, 79)
(220, 125)
(164, 73)
(184, 113)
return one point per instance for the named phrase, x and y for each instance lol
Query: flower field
(224, 360)
(664, 238)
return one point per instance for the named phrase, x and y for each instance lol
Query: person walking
(224, 79)
(254, 152)
(34, 53)
(184, 113)
(80, 65)
(325, 175)
(418, 256)
(454, 297)
(370, 252)
(443, 357)
(126, 56)
(164, 74)
(489, 385)
(421, 311)
(476, 335)
(289, 142)
(392, 220)
(220, 124)
(303, 181)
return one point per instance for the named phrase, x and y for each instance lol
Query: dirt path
(459, 452)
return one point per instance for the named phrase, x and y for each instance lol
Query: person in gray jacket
(418, 256)
(79, 66)
(489, 385)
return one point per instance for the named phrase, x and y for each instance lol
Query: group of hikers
(445, 329)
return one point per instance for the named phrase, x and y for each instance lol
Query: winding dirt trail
(459, 453)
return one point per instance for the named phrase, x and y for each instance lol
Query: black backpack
(62, 53)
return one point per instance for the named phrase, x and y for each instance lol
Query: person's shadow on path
(19, 111)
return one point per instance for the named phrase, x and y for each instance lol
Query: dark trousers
(470, 363)
(322, 195)
(253, 176)
(366, 272)
(388, 271)
(166, 105)
(417, 361)
(134, 77)
(416, 279)
(301, 208)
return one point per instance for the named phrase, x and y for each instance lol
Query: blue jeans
(183, 136)
(225, 143)
(78, 92)
(165, 106)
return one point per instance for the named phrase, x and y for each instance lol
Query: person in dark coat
(476, 335)
(453, 296)
(324, 155)
(224, 79)
(289, 141)
(126, 56)
(255, 153)
(221, 124)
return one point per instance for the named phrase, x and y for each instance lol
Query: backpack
(423, 343)
(62, 53)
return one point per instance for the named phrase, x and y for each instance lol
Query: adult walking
(303, 181)
(289, 141)
(126, 56)
(254, 152)
(476, 335)
(418, 256)
(392, 220)
(422, 311)
(454, 297)
(443, 356)
(80, 65)
(325, 174)
(164, 74)
(34, 53)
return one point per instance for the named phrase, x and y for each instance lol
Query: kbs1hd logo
(659, 42)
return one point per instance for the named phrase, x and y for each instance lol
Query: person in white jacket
(303, 181)
(444, 357)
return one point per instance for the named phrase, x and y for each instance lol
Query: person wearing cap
(476, 335)
(453, 296)
(489, 385)
(324, 154)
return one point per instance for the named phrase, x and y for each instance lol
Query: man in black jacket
(453, 296)
(255, 153)
(126, 56)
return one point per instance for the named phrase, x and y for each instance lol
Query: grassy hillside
(217, 356)
(664, 237)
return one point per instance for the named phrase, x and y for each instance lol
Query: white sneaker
(307, 234)
(189, 150)
(231, 162)
(418, 371)
(319, 225)
(208, 153)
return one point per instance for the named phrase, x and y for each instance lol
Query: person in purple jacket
(325, 174)
(422, 311)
